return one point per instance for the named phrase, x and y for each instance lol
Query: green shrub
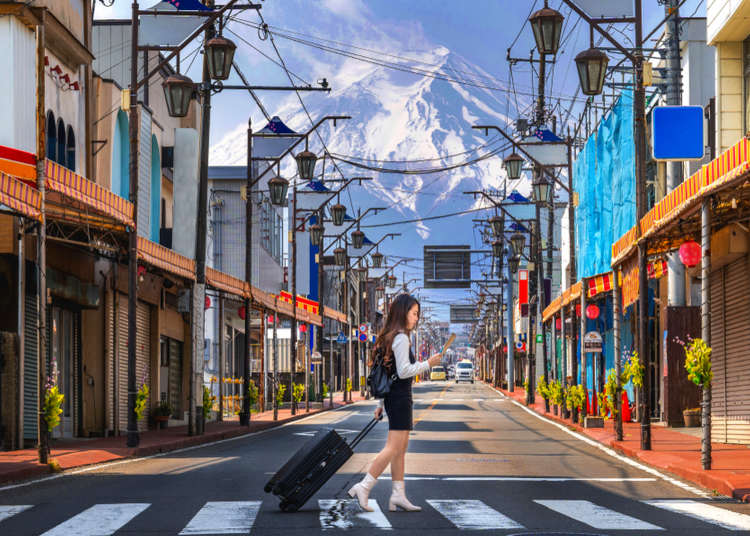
(280, 395)
(141, 399)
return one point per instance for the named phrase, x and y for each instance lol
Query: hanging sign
(592, 342)
(316, 358)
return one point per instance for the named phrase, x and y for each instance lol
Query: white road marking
(107, 465)
(7, 511)
(346, 514)
(473, 515)
(704, 512)
(610, 452)
(225, 517)
(596, 516)
(99, 520)
(525, 479)
(306, 434)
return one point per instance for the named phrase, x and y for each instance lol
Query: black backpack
(381, 378)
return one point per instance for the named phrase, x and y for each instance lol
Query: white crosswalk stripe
(99, 520)
(705, 512)
(473, 515)
(13, 509)
(224, 517)
(596, 516)
(346, 514)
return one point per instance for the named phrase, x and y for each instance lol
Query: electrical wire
(427, 218)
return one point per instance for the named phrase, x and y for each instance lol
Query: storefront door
(64, 363)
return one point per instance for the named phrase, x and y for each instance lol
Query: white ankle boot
(361, 490)
(399, 500)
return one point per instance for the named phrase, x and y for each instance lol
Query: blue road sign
(341, 339)
(677, 133)
(362, 337)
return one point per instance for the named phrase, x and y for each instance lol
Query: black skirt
(399, 411)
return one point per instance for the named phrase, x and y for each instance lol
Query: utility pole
(676, 279)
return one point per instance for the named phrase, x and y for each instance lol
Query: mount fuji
(406, 122)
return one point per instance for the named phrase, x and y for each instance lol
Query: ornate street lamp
(379, 293)
(392, 281)
(592, 67)
(339, 256)
(338, 213)
(497, 249)
(358, 239)
(377, 259)
(316, 234)
(547, 26)
(219, 55)
(496, 222)
(542, 191)
(306, 165)
(513, 264)
(518, 241)
(278, 188)
(513, 163)
(178, 91)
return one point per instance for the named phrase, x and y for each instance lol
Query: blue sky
(478, 30)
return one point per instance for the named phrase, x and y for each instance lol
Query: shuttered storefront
(30, 370)
(142, 358)
(109, 360)
(730, 340)
(175, 377)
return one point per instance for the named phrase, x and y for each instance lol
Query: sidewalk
(671, 451)
(19, 465)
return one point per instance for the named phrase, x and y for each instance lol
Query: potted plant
(692, 417)
(162, 413)
(543, 389)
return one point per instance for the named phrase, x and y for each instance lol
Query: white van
(464, 371)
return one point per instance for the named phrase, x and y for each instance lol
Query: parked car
(451, 372)
(465, 371)
(437, 373)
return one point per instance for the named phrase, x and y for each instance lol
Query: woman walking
(393, 344)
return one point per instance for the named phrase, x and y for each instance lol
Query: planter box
(692, 419)
(594, 422)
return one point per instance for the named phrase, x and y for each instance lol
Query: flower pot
(162, 421)
(692, 418)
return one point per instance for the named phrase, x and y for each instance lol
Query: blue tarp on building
(604, 177)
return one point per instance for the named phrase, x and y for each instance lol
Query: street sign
(677, 133)
(552, 154)
(316, 358)
(463, 314)
(539, 337)
(363, 337)
(592, 342)
(447, 266)
(521, 346)
(342, 339)
(363, 328)
(602, 9)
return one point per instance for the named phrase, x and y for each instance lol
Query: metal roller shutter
(30, 370)
(122, 364)
(175, 377)
(109, 361)
(143, 354)
(730, 339)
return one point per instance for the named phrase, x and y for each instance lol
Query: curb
(698, 477)
(38, 470)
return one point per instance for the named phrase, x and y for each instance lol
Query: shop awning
(599, 283)
(166, 259)
(19, 164)
(568, 296)
(88, 193)
(226, 283)
(674, 219)
(333, 314)
(20, 197)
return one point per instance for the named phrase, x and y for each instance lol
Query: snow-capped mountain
(398, 117)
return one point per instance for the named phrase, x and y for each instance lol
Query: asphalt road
(477, 461)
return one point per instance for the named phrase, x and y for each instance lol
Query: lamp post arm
(376, 244)
(302, 137)
(355, 222)
(526, 153)
(334, 194)
(210, 18)
(602, 31)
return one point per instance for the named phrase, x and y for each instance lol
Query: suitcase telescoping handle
(360, 436)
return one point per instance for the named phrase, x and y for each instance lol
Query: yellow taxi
(437, 373)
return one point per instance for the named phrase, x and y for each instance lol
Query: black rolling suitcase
(312, 466)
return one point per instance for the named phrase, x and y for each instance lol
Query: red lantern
(592, 312)
(207, 303)
(558, 324)
(241, 312)
(578, 309)
(690, 253)
(303, 328)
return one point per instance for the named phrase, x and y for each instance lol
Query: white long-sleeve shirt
(404, 367)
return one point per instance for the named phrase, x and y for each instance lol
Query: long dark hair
(395, 323)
